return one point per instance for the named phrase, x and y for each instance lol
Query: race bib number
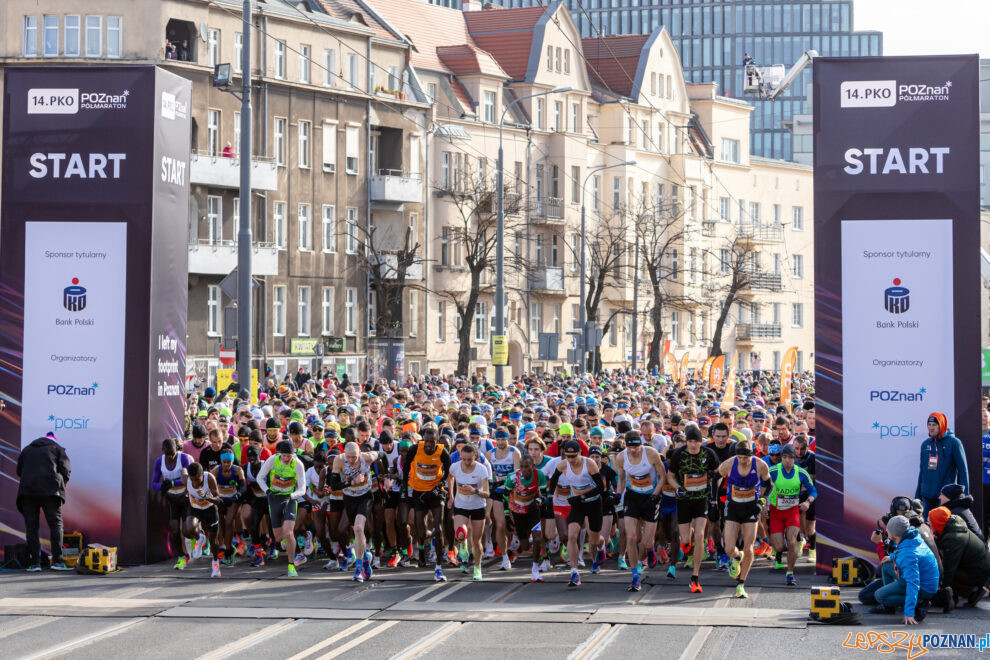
(282, 484)
(641, 483)
(743, 494)
(465, 489)
(563, 492)
(695, 482)
(933, 461)
(787, 502)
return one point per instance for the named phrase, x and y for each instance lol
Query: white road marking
(605, 641)
(333, 639)
(437, 597)
(701, 636)
(444, 631)
(344, 648)
(263, 634)
(419, 594)
(86, 639)
(27, 623)
(587, 645)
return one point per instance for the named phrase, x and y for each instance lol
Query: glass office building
(712, 37)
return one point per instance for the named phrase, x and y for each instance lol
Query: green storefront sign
(985, 365)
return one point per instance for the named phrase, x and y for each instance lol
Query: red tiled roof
(462, 95)
(465, 59)
(612, 61)
(507, 34)
(427, 26)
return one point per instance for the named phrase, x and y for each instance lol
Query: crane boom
(792, 74)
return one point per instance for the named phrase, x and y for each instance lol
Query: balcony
(708, 228)
(396, 187)
(765, 281)
(389, 262)
(548, 210)
(549, 279)
(762, 233)
(749, 332)
(220, 172)
(219, 258)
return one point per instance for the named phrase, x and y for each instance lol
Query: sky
(927, 27)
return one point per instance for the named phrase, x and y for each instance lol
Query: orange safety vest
(425, 471)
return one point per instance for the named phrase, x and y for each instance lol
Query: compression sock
(811, 540)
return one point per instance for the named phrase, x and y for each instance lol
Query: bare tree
(733, 275)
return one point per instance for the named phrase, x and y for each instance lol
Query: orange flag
(729, 398)
(717, 372)
(786, 375)
(706, 369)
(684, 368)
(670, 367)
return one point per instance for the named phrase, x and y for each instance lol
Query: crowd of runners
(613, 472)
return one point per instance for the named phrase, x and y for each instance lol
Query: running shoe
(623, 564)
(199, 546)
(307, 545)
(376, 562)
(273, 553)
(465, 567)
(695, 586)
(800, 548)
(431, 554)
(536, 574)
(36, 568)
(504, 566)
(393, 561)
(764, 549)
(514, 543)
(734, 567)
(215, 572)
(452, 558)
(367, 565)
(651, 558)
(597, 562)
(180, 563)
(711, 547)
(664, 557)
(791, 580)
(636, 583)
(477, 573)
(300, 559)
(575, 579)
(812, 555)
(349, 558)
(722, 562)
(672, 572)
(489, 550)
(779, 565)
(241, 547)
(60, 566)
(581, 563)
(330, 565)
(258, 561)
(292, 571)
(358, 573)
(545, 565)
(563, 552)
(741, 591)
(421, 561)
(689, 562)
(227, 560)
(438, 575)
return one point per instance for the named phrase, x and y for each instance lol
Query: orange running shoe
(695, 586)
(452, 558)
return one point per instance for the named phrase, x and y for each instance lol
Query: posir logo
(897, 298)
(68, 423)
(895, 430)
(897, 396)
(915, 92)
(104, 100)
(72, 390)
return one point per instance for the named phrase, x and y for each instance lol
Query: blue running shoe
(651, 558)
(368, 558)
(636, 583)
(596, 563)
(575, 578)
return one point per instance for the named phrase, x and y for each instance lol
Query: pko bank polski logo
(74, 297)
(887, 93)
(897, 298)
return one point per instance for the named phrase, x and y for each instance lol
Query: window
(350, 311)
(575, 117)
(329, 146)
(776, 264)
(304, 63)
(539, 250)
(414, 156)
(352, 230)
(673, 264)
(675, 327)
(303, 312)
(797, 315)
(724, 262)
(352, 71)
(575, 184)
(445, 170)
(445, 246)
(725, 209)
(517, 172)
(567, 60)
(214, 219)
(630, 130)
(797, 218)
(613, 332)
(213, 132)
(797, 266)
(558, 116)
(280, 126)
(481, 322)
(278, 224)
(554, 181)
(431, 92)
(776, 313)
(212, 43)
(278, 311)
(554, 250)
(72, 36)
(536, 321)
(393, 78)
(692, 264)
(539, 114)
(329, 228)
(557, 328)
(653, 83)
(50, 24)
(94, 33)
(660, 148)
(595, 184)
(213, 310)
(549, 58)
(441, 320)
(575, 251)
(616, 192)
(238, 51)
(730, 150)
(489, 107)
(305, 129)
(329, 66)
(30, 37)
(305, 229)
(280, 60)
(413, 313)
(327, 309)
(556, 60)
(754, 212)
(351, 149)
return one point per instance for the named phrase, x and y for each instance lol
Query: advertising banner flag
(706, 370)
(897, 268)
(666, 348)
(684, 368)
(729, 398)
(717, 372)
(670, 367)
(787, 375)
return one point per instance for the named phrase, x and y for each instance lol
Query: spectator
(228, 151)
(942, 462)
(960, 504)
(183, 51)
(43, 468)
(169, 50)
(986, 467)
(917, 574)
(964, 556)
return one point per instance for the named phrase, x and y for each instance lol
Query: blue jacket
(917, 566)
(951, 466)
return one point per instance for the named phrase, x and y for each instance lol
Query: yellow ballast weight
(824, 602)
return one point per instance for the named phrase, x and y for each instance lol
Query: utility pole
(244, 292)
(635, 318)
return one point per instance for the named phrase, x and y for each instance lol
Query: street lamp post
(582, 320)
(500, 231)
(244, 312)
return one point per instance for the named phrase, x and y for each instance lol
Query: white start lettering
(173, 170)
(920, 160)
(76, 165)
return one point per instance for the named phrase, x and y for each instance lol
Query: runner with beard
(743, 476)
(690, 472)
(723, 449)
(425, 472)
(641, 476)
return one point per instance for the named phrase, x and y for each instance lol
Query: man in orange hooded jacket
(943, 461)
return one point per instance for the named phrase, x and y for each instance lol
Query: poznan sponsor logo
(66, 389)
(104, 100)
(909, 92)
(898, 396)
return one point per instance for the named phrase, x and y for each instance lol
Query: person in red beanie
(965, 558)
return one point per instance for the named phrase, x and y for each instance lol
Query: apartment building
(337, 151)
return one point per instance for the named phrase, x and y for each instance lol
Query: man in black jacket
(960, 504)
(43, 468)
(965, 557)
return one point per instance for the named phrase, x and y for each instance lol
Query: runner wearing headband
(641, 477)
(743, 475)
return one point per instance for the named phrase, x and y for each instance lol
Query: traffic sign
(229, 284)
(227, 356)
(500, 350)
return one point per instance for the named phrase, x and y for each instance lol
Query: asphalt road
(155, 612)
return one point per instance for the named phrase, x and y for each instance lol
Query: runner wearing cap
(742, 476)
(468, 487)
(351, 473)
(565, 433)
(788, 481)
(577, 481)
(504, 460)
(287, 484)
(641, 477)
(690, 470)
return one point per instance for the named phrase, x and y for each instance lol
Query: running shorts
(392, 499)
(358, 505)
(177, 508)
(546, 509)
(334, 506)
(809, 515)
(781, 519)
(742, 512)
(689, 509)
(471, 514)
(208, 518)
(281, 508)
(640, 506)
(590, 510)
(561, 511)
(425, 500)
(525, 522)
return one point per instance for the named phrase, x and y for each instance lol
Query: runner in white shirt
(468, 486)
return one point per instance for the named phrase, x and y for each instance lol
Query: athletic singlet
(392, 458)
(522, 494)
(786, 490)
(640, 477)
(252, 481)
(425, 472)
(197, 496)
(743, 488)
(352, 472)
(313, 485)
(501, 467)
(227, 484)
(175, 475)
(465, 482)
(282, 477)
(570, 481)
